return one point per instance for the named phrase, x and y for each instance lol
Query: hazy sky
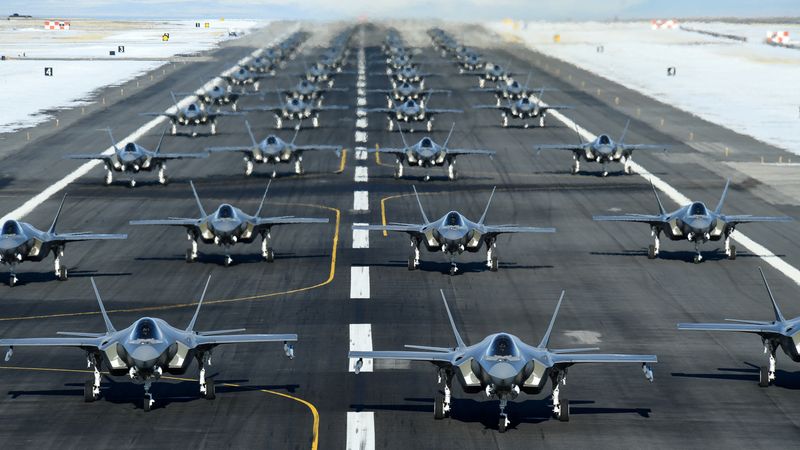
(447, 9)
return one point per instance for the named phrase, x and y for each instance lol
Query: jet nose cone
(502, 373)
(225, 226)
(452, 233)
(699, 224)
(144, 355)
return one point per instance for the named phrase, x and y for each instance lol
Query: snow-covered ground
(26, 93)
(750, 87)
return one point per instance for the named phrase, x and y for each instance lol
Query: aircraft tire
(651, 252)
(733, 253)
(211, 390)
(494, 264)
(62, 273)
(270, 255)
(88, 391)
(438, 405)
(146, 405)
(763, 376)
(563, 416)
(501, 425)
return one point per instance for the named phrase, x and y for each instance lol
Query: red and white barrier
(778, 37)
(56, 25)
(663, 24)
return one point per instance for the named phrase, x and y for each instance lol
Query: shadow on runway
(680, 255)
(466, 267)
(219, 259)
(434, 178)
(783, 379)
(44, 277)
(487, 413)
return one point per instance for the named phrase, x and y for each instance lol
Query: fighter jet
(21, 241)
(692, 222)
(779, 333)
(509, 90)
(405, 91)
(414, 112)
(148, 349)
(319, 73)
(229, 225)
(217, 95)
(524, 109)
(468, 61)
(243, 77)
(493, 73)
(603, 150)
(502, 366)
(296, 109)
(134, 158)
(261, 64)
(274, 150)
(191, 116)
(410, 73)
(453, 234)
(427, 153)
(306, 91)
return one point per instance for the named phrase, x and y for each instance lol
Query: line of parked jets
(500, 366)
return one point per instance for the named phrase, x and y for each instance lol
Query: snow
(751, 87)
(29, 96)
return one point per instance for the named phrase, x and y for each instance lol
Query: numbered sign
(120, 49)
(48, 71)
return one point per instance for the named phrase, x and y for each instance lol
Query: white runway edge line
(360, 340)
(361, 201)
(84, 168)
(360, 237)
(362, 174)
(754, 247)
(360, 430)
(359, 282)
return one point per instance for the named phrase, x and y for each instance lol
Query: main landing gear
(452, 173)
(61, 271)
(91, 390)
(191, 253)
(560, 404)
(491, 255)
(441, 401)
(576, 165)
(730, 250)
(413, 257)
(207, 389)
(248, 166)
(652, 251)
(266, 251)
(162, 174)
(398, 171)
(298, 166)
(766, 374)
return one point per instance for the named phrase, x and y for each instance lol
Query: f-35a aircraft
(21, 241)
(228, 226)
(306, 91)
(405, 91)
(191, 116)
(502, 366)
(493, 73)
(134, 158)
(427, 153)
(274, 150)
(524, 109)
(603, 150)
(779, 333)
(453, 234)
(414, 112)
(217, 95)
(242, 77)
(508, 90)
(296, 109)
(147, 349)
(694, 223)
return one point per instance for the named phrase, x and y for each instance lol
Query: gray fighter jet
(453, 234)
(693, 222)
(229, 225)
(405, 91)
(779, 333)
(192, 116)
(319, 73)
(274, 150)
(502, 366)
(306, 91)
(508, 90)
(21, 241)
(243, 77)
(524, 109)
(427, 153)
(493, 73)
(410, 73)
(218, 95)
(603, 150)
(134, 158)
(296, 109)
(148, 349)
(413, 112)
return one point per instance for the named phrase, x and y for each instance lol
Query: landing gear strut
(207, 389)
(560, 404)
(266, 251)
(298, 165)
(766, 374)
(398, 171)
(191, 253)
(148, 397)
(698, 258)
(452, 173)
(491, 255)
(61, 271)
(652, 251)
(162, 174)
(91, 390)
(413, 257)
(730, 250)
(109, 176)
(576, 164)
(248, 166)
(441, 402)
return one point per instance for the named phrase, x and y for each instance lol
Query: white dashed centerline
(360, 340)
(360, 430)
(361, 201)
(361, 153)
(362, 174)
(359, 282)
(360, 237)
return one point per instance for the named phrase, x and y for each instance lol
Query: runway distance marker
(306, 403)
(331, 274)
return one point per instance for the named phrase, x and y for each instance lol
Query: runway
(705, 392)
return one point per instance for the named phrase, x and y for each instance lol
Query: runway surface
(705, 392)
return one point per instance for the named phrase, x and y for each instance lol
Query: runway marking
(361, 84)
(360, 340)
(342, 161)
(361, 123)
(361, 137)
(27, 207)
(307, 404)
(359, 282)
(360, 430)
(331, 275)
(362, 101)
(361, 153)
(362, 174)
(361, 201)
(361, 112)
(754, 247)
(360, 237)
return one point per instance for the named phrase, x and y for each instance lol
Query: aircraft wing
(503, 108)
(570, 147)
(287, 220)
(644, 218)
(556, 107)
(168, 222)
(219, 339)
(742, 327)
(335, 148)
(402, 227)
(569, 359)
(734, 220)
(469, 151)
(165, 156)
(388, 150)
(172, 116)
(331, 107)
(445, 357)
(89, 156)
(75, 237)
(269, 108)
(383, 110)
(80, 342)
(443, 111)
(229, 149)
(500, 229)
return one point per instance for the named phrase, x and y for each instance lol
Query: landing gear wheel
(574, 170)
(412, 263)
(12, 280)
(228, 261)
(190, 258)
(438, 405)
(146, 406)
(453, 270)
(270, 255)
(563, 415)
(494, 264)
(502, 424)
(88, 392)
(651, 252)
(211, 391)
(697, 259)
(429, 126)
(62, 273)
(133, 183)
(763, 376)
(732, 254)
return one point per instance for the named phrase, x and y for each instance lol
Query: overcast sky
(446, 9)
